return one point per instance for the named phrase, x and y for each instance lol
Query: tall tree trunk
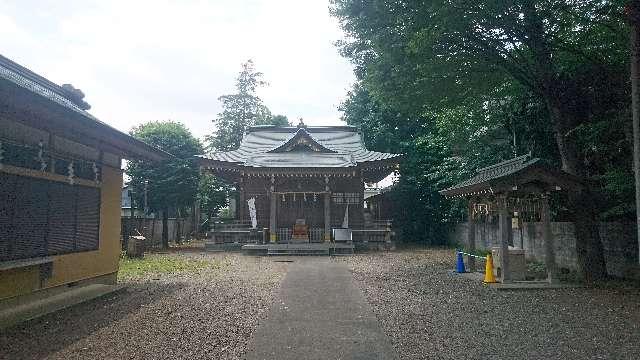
(589, 249)
(633, 14)
(590, 252)
(165, 228)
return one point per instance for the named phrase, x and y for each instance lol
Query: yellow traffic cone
(488, 271)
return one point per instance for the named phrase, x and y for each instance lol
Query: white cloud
(154, 60)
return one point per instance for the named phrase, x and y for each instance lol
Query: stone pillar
(471, 236)
(547, 237)
(504, 232)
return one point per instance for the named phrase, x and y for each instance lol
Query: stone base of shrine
(319, 249)
(375, 245)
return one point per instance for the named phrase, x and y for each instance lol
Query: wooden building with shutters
(60, 185)
(305, 178)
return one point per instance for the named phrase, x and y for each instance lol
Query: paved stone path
(319, 314)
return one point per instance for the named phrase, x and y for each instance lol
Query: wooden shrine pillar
(471, 235)
(504, 232)
(327, 210)
(547, 236)
(273, 209)
(241, 206)
(327, 216)
(273, 227)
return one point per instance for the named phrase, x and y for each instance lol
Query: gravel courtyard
(431, 313)
(208, 305)
(206, 310)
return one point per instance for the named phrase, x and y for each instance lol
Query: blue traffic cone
(460, 266)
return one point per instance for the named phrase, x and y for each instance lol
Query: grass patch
(163, 264)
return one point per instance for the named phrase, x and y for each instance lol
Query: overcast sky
(155, 60)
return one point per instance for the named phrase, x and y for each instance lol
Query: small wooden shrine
(305, 180)
(509, 189)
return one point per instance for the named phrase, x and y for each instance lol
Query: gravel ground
(431, 313)
(209, 314)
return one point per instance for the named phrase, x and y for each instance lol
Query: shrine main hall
(307, 179)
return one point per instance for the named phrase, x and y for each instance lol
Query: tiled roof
(26, 79)
(37, 84)
(261, 147)
(496, 171)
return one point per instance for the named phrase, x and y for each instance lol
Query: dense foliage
(212, 194)
(460, 85)
(172, 183)
(175, 183)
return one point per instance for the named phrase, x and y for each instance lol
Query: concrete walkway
(319, 314)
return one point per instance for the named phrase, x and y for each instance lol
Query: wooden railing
(235, 231)
(376, 231)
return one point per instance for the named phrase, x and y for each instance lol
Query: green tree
(172, 183)
(563, 60)
(212, 194)
(240, 110)
(277, 120)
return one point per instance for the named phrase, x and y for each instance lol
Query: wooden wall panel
(29, 218)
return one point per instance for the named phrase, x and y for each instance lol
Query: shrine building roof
(300, 147)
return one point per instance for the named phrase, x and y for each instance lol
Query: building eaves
(28, 80)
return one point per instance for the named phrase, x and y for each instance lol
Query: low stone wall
(618, 239)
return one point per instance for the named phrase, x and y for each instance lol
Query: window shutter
(88, 218)
(7, 207)
(62, 219)
(41, 217)
(29, 218)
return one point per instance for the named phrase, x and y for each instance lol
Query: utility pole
(633, 15)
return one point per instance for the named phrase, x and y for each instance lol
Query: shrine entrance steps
(298, 249)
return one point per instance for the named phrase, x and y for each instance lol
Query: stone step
(308, 252)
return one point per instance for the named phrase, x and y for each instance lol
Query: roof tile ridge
(504, 163)
(301, 132)
(32, 75)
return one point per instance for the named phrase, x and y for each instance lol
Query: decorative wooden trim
(15, 264)
(13, 170)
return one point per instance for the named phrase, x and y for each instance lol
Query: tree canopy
(212, 194)
(463, 84)
(171, 183)
(242, 110)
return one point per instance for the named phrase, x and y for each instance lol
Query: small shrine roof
(510, 174)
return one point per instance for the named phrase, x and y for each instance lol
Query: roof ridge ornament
(302, 139)
(301, 124)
